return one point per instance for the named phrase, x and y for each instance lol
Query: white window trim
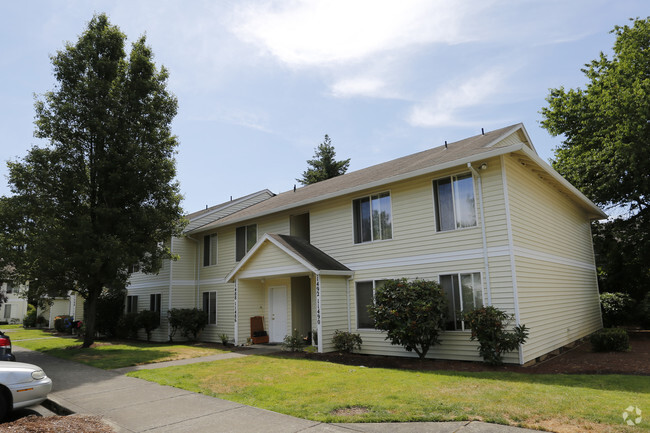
(392, 222)
(435, 210)
(374, 287)
(257, 238)
(458, 274)
(216, 318)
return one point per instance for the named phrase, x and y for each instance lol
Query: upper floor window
(246, 238)
(134, 268)
(454, 202)
(372, 218)
(10, 288)
(464, 293)
(365, 298)
(210, 250)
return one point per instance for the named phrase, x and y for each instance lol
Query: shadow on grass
(606, 382)
(108, 358)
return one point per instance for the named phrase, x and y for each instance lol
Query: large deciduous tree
(324, 165)
(101, 194)
(606, 152)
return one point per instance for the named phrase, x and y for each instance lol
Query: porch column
(319, 324)
(236, 311)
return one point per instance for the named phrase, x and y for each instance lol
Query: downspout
(171, 284)
(319, 322)
(198, 269)
(348, 293)
(485, 249)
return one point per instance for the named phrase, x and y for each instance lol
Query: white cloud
(325, 32)
(445, 107)
(360, 86)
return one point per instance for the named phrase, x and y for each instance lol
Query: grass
(329, 392)
(107, 355)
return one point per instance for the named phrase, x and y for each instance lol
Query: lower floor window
(7, 311)
(155, 301)
(210, 306)
(464, 293)
(366, 298)
(131, 304)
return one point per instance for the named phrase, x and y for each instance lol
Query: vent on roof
(482, 131)
(445, 144)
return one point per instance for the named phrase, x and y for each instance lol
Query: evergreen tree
(324, 166)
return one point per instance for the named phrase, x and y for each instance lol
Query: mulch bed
(577, 360)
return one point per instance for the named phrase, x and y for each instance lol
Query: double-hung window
(7, 314)
(131, 304)
(372, 218)
(210, 250)
(210, 306)
(155, 302)
(454, 202)
(464, 292)
(246, 237)
(366, 298)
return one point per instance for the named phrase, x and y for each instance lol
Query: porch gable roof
(307, 255)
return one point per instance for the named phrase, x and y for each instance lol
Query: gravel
(57, 424)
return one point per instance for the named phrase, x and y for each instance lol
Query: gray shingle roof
(309, 253)
(459, 150)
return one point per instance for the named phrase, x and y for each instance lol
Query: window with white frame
(210, 306)
(464, 292)
(155, 302)
(7, 314)
(372, 218)
(210, 250)
(454, 202)
(10, 288)
(246, 237)
(365, 291)
(131, 304)
(134, 268)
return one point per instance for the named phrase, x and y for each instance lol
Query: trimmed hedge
(610, 340)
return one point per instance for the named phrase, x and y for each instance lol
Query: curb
(56, 407)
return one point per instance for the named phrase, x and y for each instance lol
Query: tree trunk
(90, 313)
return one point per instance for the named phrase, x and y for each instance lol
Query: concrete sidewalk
(134, 405)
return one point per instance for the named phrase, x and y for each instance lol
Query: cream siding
(334, 314)
(556, 275)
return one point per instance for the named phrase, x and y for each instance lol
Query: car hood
(16, 372)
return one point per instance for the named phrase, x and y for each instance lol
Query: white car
(21, 385)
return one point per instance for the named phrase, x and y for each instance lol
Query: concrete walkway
(134, 405)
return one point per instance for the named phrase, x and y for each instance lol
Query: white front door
(278, 311)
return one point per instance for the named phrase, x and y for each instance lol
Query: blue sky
(259, 83)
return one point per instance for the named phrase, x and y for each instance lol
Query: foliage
(488, 325)
(610, 340)
(128, 326)
(224, 339)
(644, 312)
(616, 307)
(63, 323)
(101, 194)
(30, 318)
(190, 321)
(413, 313)
(346, 341)
(110, 308)
(294, 342)
(606, 153)
(324, 166)
(148, 320)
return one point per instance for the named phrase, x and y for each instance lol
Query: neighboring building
(70, 305)
(484, 216)
(14, 310)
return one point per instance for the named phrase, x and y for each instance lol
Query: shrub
(63, 323)
(190, 321)
(610, 340)
(30, 318)
(488, 325)
(224, 339)
(294, 342)
(128, 326)
(616, 308)
(346, 341)
(110, 308)
(413, 313)
(149, 320)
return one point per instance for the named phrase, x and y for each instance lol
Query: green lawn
(107, 355)
(329, 392)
